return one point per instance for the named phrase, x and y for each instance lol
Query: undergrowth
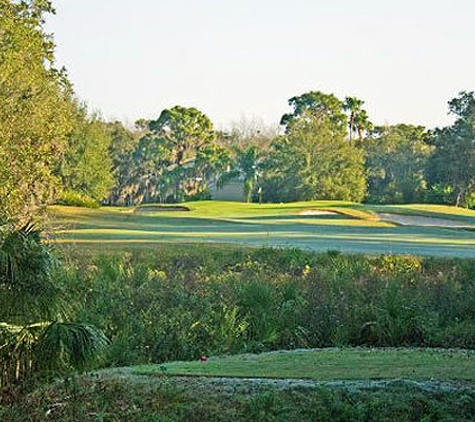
(176, 303)
(121, 399)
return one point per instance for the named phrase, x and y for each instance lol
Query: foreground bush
(77, 199)
(36, 341)
(172, 303)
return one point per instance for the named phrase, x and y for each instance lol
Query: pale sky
(228, 58)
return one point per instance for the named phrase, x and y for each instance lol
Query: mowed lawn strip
(341, 226)
(331, 364)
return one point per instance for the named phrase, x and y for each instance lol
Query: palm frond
(66, 345)
(17, 348)
(30, 292)
(47, 349)
(27, 290)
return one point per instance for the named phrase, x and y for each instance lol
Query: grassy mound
(331, 364)
(121, 395)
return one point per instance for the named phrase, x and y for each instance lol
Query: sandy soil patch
(417, 220)
(159, 208)
(316, 212)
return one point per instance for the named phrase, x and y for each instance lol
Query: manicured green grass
(331, 364)
(352, 227)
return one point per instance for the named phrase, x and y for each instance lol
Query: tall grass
(178, 303)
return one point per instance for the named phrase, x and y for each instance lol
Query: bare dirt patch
(418, 220)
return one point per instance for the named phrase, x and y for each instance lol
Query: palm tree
(358, 120)
(35, 340)
(246, 166)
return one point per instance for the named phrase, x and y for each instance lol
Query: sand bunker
(161, 208)
(417, 220)
(317, 212)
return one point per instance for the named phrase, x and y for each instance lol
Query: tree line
(45, 144)
(327, 149)
(53, 149)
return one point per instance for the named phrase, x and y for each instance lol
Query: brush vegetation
(176, 302)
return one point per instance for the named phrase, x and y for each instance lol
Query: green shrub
(76, 199)
(36, 339)
(170, 303)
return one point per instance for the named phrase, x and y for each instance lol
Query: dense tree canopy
(173, 158)
(121, 150)
(317, 106)
(185, 129)
(181, 133)
(453, 162)
(35, 110)
(395, 161)
(313, 161)
(86, 167)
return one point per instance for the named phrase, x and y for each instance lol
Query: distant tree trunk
(460, 198)
(248, 188)
(360, 133)
(351, 125)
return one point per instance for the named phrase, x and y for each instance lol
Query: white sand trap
(418, 220)
(160, 208)
(317, 212)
